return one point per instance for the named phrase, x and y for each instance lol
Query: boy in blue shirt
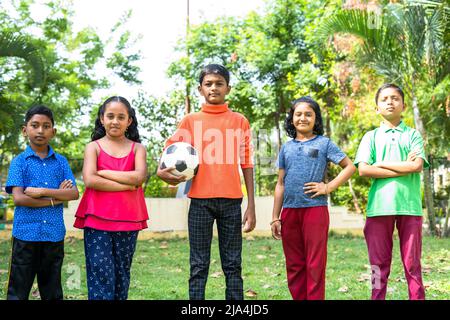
(39, 180)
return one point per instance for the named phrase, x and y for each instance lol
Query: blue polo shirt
(306, 162)
(29, 170)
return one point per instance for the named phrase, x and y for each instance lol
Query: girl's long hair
(318, 125)
(132, 132)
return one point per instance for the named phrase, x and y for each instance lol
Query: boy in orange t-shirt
(223, 140)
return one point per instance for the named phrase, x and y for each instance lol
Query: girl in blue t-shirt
(301, 197)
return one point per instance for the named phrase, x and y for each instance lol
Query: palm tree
(12, 45)
(406, 43)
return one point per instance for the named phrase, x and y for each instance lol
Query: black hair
(39, 109)
(215, 69)
(389, 85)
(289, 125)
(132, 132)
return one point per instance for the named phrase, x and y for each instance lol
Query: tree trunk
(446, 231)
(428, 195)
(277, 126)
(428, 192)
(354, 197)
(327, 123)
(187, 102)
(257, 174)
(278, 114)
(327, 132)
(2, 156)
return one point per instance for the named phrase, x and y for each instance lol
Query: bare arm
(348, 169)
(65, 192)
(167, 176)
(92, 179)
(320, 188)
(366, 170)
(134, 178)
(277, 205)
(249, 220)
(58, 194)
(402, 166)
(183, 133)
(21, 199)
(411, 165)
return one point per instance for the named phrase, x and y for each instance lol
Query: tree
(71, 61)
(262, 52)
(274, 57)
(405, 43)
(17, 46)
(13, 45)
(158, 118)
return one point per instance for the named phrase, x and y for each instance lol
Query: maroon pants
(304, 234)
(378, 233)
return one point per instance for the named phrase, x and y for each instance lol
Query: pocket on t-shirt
(312, 152)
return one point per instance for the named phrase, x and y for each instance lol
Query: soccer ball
(183, 157)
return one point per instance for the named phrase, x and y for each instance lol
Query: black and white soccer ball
(183, 157)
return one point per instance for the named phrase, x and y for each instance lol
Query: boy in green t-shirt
(393, 156)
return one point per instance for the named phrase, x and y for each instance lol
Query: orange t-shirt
(223, 140)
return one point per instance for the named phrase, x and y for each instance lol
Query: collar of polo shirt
(401, 127)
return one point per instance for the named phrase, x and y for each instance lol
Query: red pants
(378, 233)
(304, 234)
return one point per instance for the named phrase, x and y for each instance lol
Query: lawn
(161, 269)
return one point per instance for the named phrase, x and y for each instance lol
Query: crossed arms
(110, 180)
(44, 197)
(391, 169)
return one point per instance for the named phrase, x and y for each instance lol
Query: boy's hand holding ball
(170, 178)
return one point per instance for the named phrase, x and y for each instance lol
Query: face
(390, 104)
(304, 118)
(116, 119)
(39, 130)
(214, 88)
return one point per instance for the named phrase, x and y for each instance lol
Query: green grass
(161, 269)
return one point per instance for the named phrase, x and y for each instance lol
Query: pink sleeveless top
(113, 210)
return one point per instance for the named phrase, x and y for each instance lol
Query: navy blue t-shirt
(306, 162)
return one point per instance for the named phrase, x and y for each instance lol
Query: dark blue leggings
(108, 262)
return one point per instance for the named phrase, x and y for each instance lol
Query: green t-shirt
(399, 195)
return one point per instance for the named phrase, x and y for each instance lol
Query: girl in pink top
(112, 210)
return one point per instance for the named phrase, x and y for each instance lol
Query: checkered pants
(227, 213)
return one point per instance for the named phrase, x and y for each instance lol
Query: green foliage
(407, 43)
(154, 186)
(71, 60)
(270, 56)
(435, 113)
(14, 45)
(404, 43)
(158, 120)
(274, 56)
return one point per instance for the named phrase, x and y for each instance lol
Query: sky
(161, 24)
